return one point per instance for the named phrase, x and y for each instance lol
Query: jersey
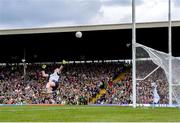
(54, 77)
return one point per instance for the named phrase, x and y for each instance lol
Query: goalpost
(155, 62)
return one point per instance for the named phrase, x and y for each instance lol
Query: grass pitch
(87, 114)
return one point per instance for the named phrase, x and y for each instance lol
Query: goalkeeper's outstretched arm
(44, 74)
(62, 65)
(60, 68)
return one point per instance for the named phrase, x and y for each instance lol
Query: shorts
(56, 86)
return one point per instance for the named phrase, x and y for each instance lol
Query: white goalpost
(170, 52)
(159, 62)
(134, 52)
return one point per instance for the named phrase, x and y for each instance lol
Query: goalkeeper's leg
(50, 86)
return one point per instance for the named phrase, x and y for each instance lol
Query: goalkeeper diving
(53, 79)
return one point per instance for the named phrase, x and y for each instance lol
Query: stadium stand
(80, 84)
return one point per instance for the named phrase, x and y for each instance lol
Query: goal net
(152, 74)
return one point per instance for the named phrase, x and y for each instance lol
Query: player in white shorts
(53, 81)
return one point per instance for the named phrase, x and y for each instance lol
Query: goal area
(153, 77)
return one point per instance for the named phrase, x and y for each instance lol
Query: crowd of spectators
(118, 92)
(121, 92)
(79, 84)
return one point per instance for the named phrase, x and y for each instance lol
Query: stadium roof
(87, 28)
(98, 42)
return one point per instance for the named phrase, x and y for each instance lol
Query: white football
(78, 34)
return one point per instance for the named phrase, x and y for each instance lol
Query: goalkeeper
(53, 81)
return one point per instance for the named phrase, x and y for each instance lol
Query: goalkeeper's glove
(64, 62)
(44, 66)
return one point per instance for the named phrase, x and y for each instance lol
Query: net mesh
(152, 67)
